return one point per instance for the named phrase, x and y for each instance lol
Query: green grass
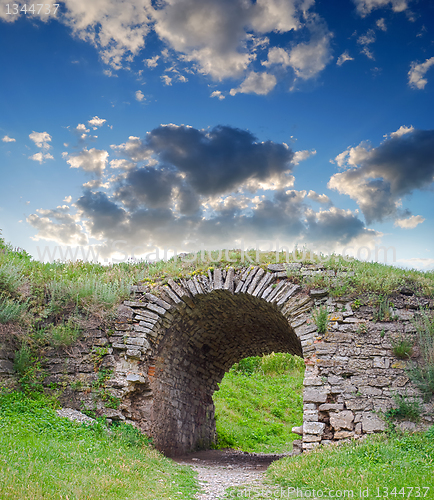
(378, 461)
(259, 401)
(46, 457)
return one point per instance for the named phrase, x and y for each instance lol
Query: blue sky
(184, 124)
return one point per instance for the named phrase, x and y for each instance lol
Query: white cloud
(309, 59)
(416, 75)
(139, 95)
(67, 199)
(277, 55)
(8, 139)
(93, 160)
(302, 155)
(122, 164)
(379, 178)
(256, 83)
(81, 127)
(402, 131)
(367, 53)
(152, 62)
(166, 79)
(365, 7)
(40, 157)
(343, 58)
(41, 139)
(410, 222)
(367, 39)
(116, 29)
(320, 198)
(217, 93)
(381, 25)
(96, 122)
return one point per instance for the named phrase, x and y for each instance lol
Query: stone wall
(169, 349)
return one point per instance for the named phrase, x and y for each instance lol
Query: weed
(383, 310)
(406, 409)
(11, 310)
(362, 329)
(356, 304)
(422, 375)
(28, 367)
(402, 348)
(320, 316)
(64, 335)
(382, 333)
(97, 355)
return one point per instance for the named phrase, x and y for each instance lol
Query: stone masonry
(170, 349)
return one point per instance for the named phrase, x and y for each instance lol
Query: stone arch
(188, 334)
(172, 346)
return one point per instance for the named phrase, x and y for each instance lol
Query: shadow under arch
(196, 350)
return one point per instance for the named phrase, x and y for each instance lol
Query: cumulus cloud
(167, 80)
(308, 59)
(152, 62)
(8, 139)
(410, 222)
(58, 225)
(416, 75)
(343, 58)
(41, 157)
(302, 155)
(139, 96)
(319, 198)
(256, 83)
(378, 178)
(41, 139)
(365, 7)
(217, 93)
(179, 184)
(96, 122)
(218, 38)
(92, 160)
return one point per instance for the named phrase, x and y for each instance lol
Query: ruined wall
(160, 364)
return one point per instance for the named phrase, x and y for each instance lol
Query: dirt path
(220, 469)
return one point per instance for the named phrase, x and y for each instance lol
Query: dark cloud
(380, 177)
(220, 160)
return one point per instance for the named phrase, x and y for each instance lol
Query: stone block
(342, 420)
(297, 430)
(314, 396)
(311, 438)
(316, 428)
(343, 434)
(331, 407)
(310, 416)
(372, 423)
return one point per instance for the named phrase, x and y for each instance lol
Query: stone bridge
(169, 350)
(174, 346)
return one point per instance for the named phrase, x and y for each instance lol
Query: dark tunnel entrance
(196, 351)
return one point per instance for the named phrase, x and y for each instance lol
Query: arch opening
(199, 347)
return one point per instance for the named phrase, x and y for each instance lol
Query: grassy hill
(259, 401)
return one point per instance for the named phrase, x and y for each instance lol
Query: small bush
(11, 277)
(129, 436)
(422, 375)
(402, 348)
(382, 312)
(406, 409)
(11, 310)
(64, 335)
(320, 316)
